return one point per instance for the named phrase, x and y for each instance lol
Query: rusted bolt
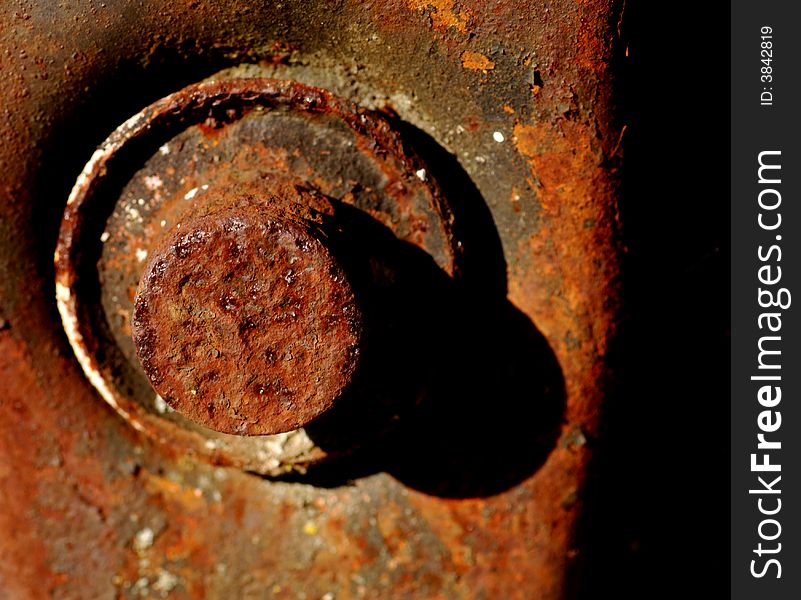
(245, 322)
(258, 151)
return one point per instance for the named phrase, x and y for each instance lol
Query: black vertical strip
(760, 128)
(660, 527)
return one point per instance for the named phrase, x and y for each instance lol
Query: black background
(660, 527)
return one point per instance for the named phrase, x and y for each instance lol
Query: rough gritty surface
(246, 324)
(83, 484)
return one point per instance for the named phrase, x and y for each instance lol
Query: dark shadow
(483, 261)
(458, 394)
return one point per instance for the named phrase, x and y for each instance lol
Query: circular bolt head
(246, 324)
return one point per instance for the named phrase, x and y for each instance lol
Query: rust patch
(558, 153)
(476, 61)
(573, 296)
(24, 567)
(245, 323)
(445, 14)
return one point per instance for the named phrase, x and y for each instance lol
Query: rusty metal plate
(450, 459)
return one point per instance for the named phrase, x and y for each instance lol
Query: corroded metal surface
(511, 106)
(245, 323)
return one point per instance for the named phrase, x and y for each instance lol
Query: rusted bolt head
(246, 323)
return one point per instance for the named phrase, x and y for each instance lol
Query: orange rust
(184, 497)
(59, 491)
(25, 566)
(476, 61)
(567, 160)
(444, 14)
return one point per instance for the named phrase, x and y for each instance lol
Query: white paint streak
(87, 174)
(66, 308)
